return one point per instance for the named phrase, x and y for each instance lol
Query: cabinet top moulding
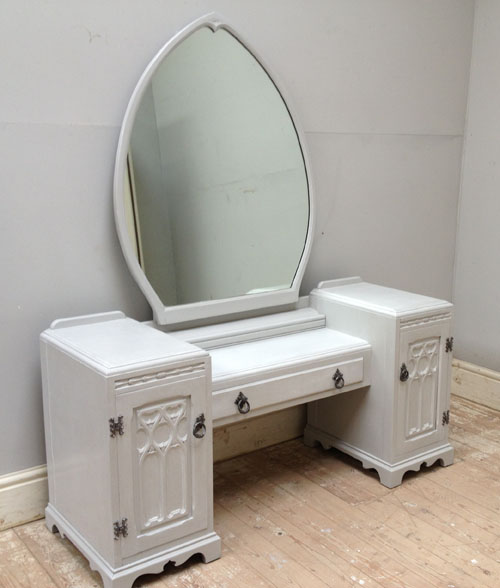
(382, 300)
(116, 344)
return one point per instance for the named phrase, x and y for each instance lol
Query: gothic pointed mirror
(212, 193)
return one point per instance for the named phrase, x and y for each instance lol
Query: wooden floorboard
(295, 516)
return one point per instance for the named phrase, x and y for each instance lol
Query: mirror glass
(216, 191)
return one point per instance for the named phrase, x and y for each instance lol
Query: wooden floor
(294, 516)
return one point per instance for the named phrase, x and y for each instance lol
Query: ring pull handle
(404, 374)
(199, 428)
(338, 378)
(242, 403)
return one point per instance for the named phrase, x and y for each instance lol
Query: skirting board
(262, 431)
(24, 494)
(476, 383)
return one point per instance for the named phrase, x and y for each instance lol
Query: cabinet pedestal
(128, 417)
(401, 421)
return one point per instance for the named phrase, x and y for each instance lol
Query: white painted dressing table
(130, 407)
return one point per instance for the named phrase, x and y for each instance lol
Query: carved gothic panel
(162, 463)
(422, 387)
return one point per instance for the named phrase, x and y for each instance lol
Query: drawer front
(275, 390)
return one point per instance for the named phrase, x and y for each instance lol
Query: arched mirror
(212, 193)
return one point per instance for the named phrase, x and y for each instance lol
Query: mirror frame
(171, 315)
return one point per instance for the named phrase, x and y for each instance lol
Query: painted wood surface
(251, 329)
(294, 516)
(165, 472)
(23, 496)
(150, 478)
(394, 426)
(17, 494)
(91, 370)
(424, 396)
(476, 383)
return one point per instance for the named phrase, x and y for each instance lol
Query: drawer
(290, 388)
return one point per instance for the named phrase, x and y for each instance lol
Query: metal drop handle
(242, 403)
(199, 429)
(338, 378)
(404, 374)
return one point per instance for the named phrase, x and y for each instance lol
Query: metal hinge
(120, 529)
(446, 418)
(116, 426)
(449, 344)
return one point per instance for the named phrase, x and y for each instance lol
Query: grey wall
(477, 278)
(380, 89)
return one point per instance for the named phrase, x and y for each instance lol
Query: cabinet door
(164, 472)
(423, 397)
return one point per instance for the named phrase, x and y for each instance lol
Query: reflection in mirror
(216, 197)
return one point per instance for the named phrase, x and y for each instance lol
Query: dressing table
(214, 211)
